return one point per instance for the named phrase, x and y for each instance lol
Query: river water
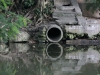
(50, 59)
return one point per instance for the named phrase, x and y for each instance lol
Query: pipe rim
(54, 26)
(61, 48)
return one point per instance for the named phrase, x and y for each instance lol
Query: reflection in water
(89, 69)
(37, 60)
(54, 51)
(6, 68)
(89, 56)
(19, 47)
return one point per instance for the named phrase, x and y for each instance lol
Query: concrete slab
(63, 12)
(58, 15)
(66, 8)
(74, 29)
(81, 20)
(91, 30)
(77, 9)
(67, 20)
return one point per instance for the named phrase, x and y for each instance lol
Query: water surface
(50, 59)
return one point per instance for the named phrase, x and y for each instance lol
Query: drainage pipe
(54, 33)
(54, 51)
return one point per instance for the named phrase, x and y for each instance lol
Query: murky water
(50, 59)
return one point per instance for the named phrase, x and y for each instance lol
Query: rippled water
(50, 59)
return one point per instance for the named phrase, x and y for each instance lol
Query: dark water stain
(50, 59)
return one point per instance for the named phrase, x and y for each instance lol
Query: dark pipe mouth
(54, 51)
(54, 34)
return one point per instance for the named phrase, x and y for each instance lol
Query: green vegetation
(76, 36)
(93, 5)
(17, 14)
(10, 22)
(7, 69)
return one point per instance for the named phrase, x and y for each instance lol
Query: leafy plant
(10, 23)
(7, 69)
(93, 5)
(11, 19)
(47, 12)
(29, 3)
(43, 13)
(4, 4)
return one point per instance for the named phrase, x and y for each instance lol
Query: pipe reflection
(55, 59)
(54, 51)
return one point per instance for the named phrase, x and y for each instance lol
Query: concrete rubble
(67, 15)
(72, 21)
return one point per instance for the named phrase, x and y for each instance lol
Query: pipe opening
(54, 51)
(54, 34)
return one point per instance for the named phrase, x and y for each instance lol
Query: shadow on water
(50, 59)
